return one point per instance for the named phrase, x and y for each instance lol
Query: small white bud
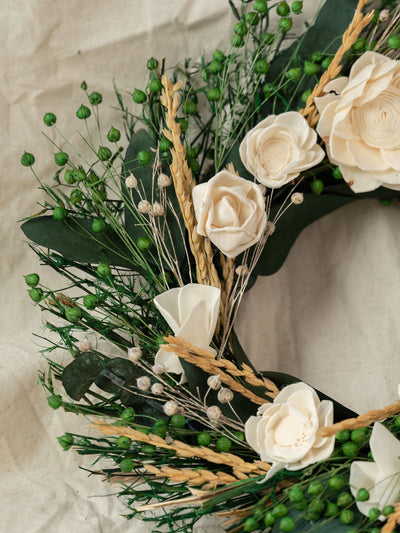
(131, 182)
(242, 270)
(158, 369)
(214, 412)
(263, 188)
(384, 15)
(157, 388)
(225, 395)
(84, 346)
(270, 228)
(214, 382)
(168, 439)
(170, 408)
(144, 206)
(297, 198)
(143, 383)
(163, 181)
(158, 209)
(134, 354)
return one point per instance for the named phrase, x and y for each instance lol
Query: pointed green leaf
(80, 374)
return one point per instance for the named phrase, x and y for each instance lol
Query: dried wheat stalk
(350, 36)
(361, 421)
(207, 479)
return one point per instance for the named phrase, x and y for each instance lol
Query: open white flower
(230, 211)
(284, 432)
(192, 312)
(381, 477)
(279, 148)
(359, 122)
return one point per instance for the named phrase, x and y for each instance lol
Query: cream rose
(359, 122)
(192, 312)
(230, 211)
(284, 432)
(279, 148)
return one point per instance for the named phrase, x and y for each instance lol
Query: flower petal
(366, 157)
(169, 360)
(385, 449)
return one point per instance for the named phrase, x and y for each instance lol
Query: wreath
(227, 161)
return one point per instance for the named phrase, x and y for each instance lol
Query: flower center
(290, 432)
(377, 121)
(275, 155)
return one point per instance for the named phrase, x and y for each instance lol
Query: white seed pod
(144, 206)
(242, 270)
(214, 412)
(134, 354)
(84, 346)
(158, 369)
(297, 198)
(225, 395)
(131, 182)
(157, 388)
(157, 209)
(163, 181)
(143, 383)
(270, 228)
(214, 382)
(168, 439)
(384, 15)
(170, 408)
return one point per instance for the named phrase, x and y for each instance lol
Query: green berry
(152, 63)
(27, 159)
(317, 186)
(143, 243)
(113, 135)
(184, 124)
(394, 42)
(239, 435)
(387, 510)
(148, 449)
(155, 85)
(76, 196)
(311, 69)
(66, 441)
(164, 144)
(215, 67)
(347, 516)
(305, 95)
(268, 38)
(294, 74)
(343, 435)
(237, 41)
(286, 24)
(269, 519)
(95, 98)
(326, 62)
(362, 495)
(317, 57)
(386, 203)
(54, 401)
(194, 165)
(103, 270)
(84, 86)
(280, 510)
(349, 449)
(300, 506)
(240, 28)
(219, 56)
(296, 495)
(252, 18)
(79, 174)
(344, 499)
(160, 428)
(316, 506)
(336, 173)
(250, 524)
(297, 7)
(98, 225)
(287, 524)
(144, 157)
(283, 9)
(331, 509)
(260, 6)
(32, 280)
(126, 465)
(359, 45)
(178, 421)
(397, 424)
(269, 89)
(139, 97)
(123, 442)
(373, 514)
(61, 158)
(315, 488)
(204, 439)
(59, 213)
(261, 66)
(90, 301)
(49, 119)
(189, 107)
(224, 444)
(73, 314)
(69, 177)
(336, 483)
(214, 94)
(104, 153)
(358, 435)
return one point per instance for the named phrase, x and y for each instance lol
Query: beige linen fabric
(329, 316)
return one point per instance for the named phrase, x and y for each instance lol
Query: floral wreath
(159, 246)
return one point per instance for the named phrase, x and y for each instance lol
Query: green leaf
(74, 239)
(115, 374)
(80, 374)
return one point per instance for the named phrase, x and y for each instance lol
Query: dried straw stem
(207, 479)
(240, 468)
(350, 36)
(392, 520)
(184, 183)
(361, 421)
(228, 275)
(206, 361)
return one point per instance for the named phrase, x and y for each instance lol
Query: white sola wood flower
(359, 122)
(192, 312)
(381, 477)
(279, 148)
(284, 432)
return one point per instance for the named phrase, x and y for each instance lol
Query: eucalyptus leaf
(80, 374)
(115, 374)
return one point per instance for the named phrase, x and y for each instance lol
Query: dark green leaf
(115, 374)
(81, 373)
(129, 399)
